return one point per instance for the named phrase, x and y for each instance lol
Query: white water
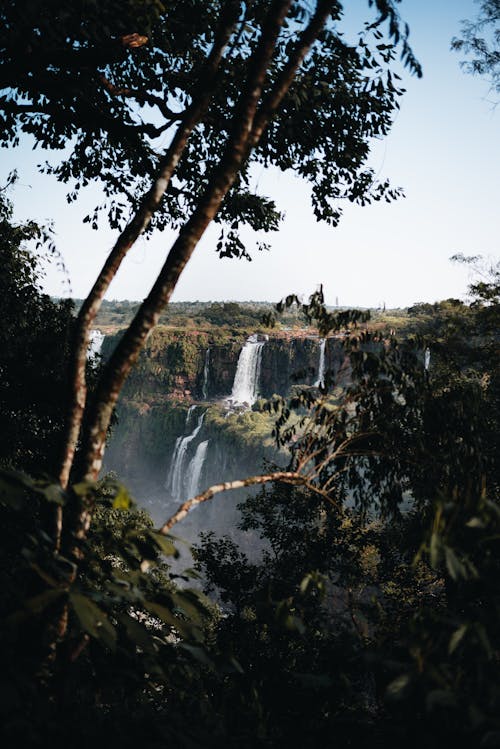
(320, 382)
(195, 468)
(177, 477)
(427, 359)
(246, 380)
(95, 343)
(206, 368)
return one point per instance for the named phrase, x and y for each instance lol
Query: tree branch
(285, 477)
(128, 349)
(133, 230)
(143, 97)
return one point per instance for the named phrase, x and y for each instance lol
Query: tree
(480, 40)
(35, 335)
(309, 101)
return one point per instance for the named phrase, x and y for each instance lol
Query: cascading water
(95, 343)
(320, 382)
(195, 468)
(206, 369)
(246, 380)
(177, 477)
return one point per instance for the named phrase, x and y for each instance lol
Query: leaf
(168, 617)
(198, 653)
(475, 523)
(55, 494)
(83, 488)
(122, 500)
(398, 688)
(456, 638)
(93, 620)
(165, 544)
(454, 566)
(137, 632)
(435, 550)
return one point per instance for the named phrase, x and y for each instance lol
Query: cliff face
(177, 433)
(173, 364)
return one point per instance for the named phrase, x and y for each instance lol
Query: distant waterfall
(177, 477)
(427, 359)
(206, 369)
(246, 380)
(95, 343)
(195, 468)
(320, 382)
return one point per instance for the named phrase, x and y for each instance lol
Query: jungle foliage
(372, 616)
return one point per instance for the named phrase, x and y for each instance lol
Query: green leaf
(454, 566)
(83, 488)
(122, 500)
(398, 688)
(168, 617)
(55, 494)
(435, 550)
(457, 638)
(198, 653)
(93, 620)
(475, 523)
(164, 543)
(137, 632)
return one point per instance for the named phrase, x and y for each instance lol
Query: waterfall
(177, 476)
(246, 379)
(95, 343)
(204, 387)
(427, 359)
(195, 468)
(320, 382)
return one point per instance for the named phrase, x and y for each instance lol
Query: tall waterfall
(320, 382)
(206, 369)
(246, 380)
(95, 343)
(177, 476)
(195, 468)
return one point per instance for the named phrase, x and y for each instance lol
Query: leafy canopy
(110, 92)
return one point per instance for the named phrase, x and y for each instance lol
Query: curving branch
(285, 477)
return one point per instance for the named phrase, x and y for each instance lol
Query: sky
(443, 150)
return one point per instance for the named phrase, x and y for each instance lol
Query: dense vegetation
(370, 617)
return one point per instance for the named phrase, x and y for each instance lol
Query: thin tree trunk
(133, 230)
(147, 316)
(249, 124)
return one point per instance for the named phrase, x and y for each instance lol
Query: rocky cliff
(178, 430)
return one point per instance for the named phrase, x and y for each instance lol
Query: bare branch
(285, 477)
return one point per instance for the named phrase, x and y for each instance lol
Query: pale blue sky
(444, 150)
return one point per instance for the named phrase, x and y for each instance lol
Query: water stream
(320, 382)
(95, 343)
(195, 468)
(246, 380)
(177, 479)
(206, 369)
